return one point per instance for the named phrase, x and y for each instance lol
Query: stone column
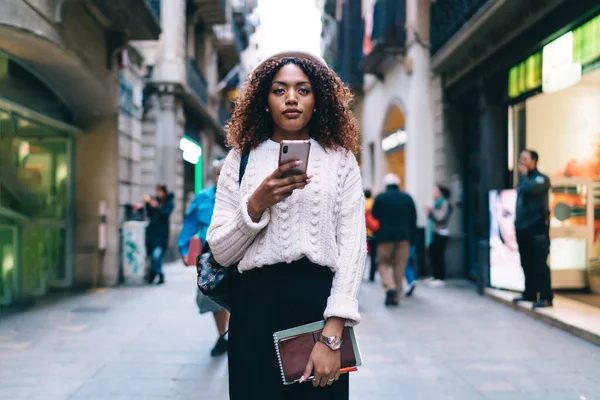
(419, 126)
(96, 180)
(170, 58)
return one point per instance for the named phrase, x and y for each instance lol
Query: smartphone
(294, 150)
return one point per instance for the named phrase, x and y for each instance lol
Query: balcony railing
(348, 52)
(136, 17)
(448, 16)
(196, 81)
(389, 22)
(155, 8)
(388, 35)
(213, 12)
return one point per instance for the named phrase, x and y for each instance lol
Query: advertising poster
(505, 263)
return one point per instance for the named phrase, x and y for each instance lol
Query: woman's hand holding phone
(275, 188)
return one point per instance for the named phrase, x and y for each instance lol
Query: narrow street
(150, 343)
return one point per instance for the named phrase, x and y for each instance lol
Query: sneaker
(542, 304)
(220, 347)
(161, 279)
(437, 283)
(429, 280)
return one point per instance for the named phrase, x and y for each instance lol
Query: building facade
(60, 64)
(508, 76)
(191, 72)
(381, 51)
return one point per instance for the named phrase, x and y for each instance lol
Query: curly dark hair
(332, 125)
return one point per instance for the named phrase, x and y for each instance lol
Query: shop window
(8, 260)
(19, 85)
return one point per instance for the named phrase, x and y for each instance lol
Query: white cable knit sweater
(324, 222)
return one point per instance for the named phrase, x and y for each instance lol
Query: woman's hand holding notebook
(294, 346)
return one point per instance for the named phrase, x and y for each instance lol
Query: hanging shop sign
(395, 141)
(192, 152)
(560, 64)
(558, 69)
(525, 76)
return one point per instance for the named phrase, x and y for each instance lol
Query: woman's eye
(304, 91)
(277, 91)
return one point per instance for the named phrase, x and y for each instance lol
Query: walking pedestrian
(195, 223)
(372, 227)
(532, 224)
(397, 217)
(438, 217)
(409, 273)
(159, 211)
(300, 240)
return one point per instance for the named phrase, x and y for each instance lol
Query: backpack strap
(243, 164)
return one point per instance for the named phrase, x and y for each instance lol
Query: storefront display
(558, 94)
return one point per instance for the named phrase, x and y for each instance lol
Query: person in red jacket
(372, 227)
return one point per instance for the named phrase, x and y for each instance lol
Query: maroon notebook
(293, 347)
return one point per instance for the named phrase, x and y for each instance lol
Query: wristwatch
(333, 342)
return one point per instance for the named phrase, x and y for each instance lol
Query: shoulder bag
(214, 279)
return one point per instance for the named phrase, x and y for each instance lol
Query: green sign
(586, 42)
(525, 76)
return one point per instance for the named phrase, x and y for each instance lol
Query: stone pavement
(150, 343)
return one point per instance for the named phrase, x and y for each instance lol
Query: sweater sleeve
(232, 230)
(352, 247)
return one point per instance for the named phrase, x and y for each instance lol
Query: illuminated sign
(191, 151)
(396, 139)
(559, 71)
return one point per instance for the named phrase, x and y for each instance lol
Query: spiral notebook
(293, 347)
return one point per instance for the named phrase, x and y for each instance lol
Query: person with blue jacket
(196, 222)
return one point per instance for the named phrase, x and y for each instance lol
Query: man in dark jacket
(159, 211)
(397, 216)
(532, 225)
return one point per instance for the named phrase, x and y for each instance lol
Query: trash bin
(134, 251)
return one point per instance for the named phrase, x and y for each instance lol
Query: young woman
(300, 241)
(438, 219)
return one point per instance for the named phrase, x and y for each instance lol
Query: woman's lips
(291, 114)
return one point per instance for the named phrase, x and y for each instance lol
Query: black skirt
(266, 300)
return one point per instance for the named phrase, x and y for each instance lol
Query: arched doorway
(393, 141)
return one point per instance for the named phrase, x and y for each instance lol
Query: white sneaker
(438, 283)
(429, 280)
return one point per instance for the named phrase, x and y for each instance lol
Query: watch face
(333, 342)
(336, 343)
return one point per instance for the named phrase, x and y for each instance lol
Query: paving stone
(150, 343)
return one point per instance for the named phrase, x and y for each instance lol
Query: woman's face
(505, 213)
(291, 99)
(436, 192)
